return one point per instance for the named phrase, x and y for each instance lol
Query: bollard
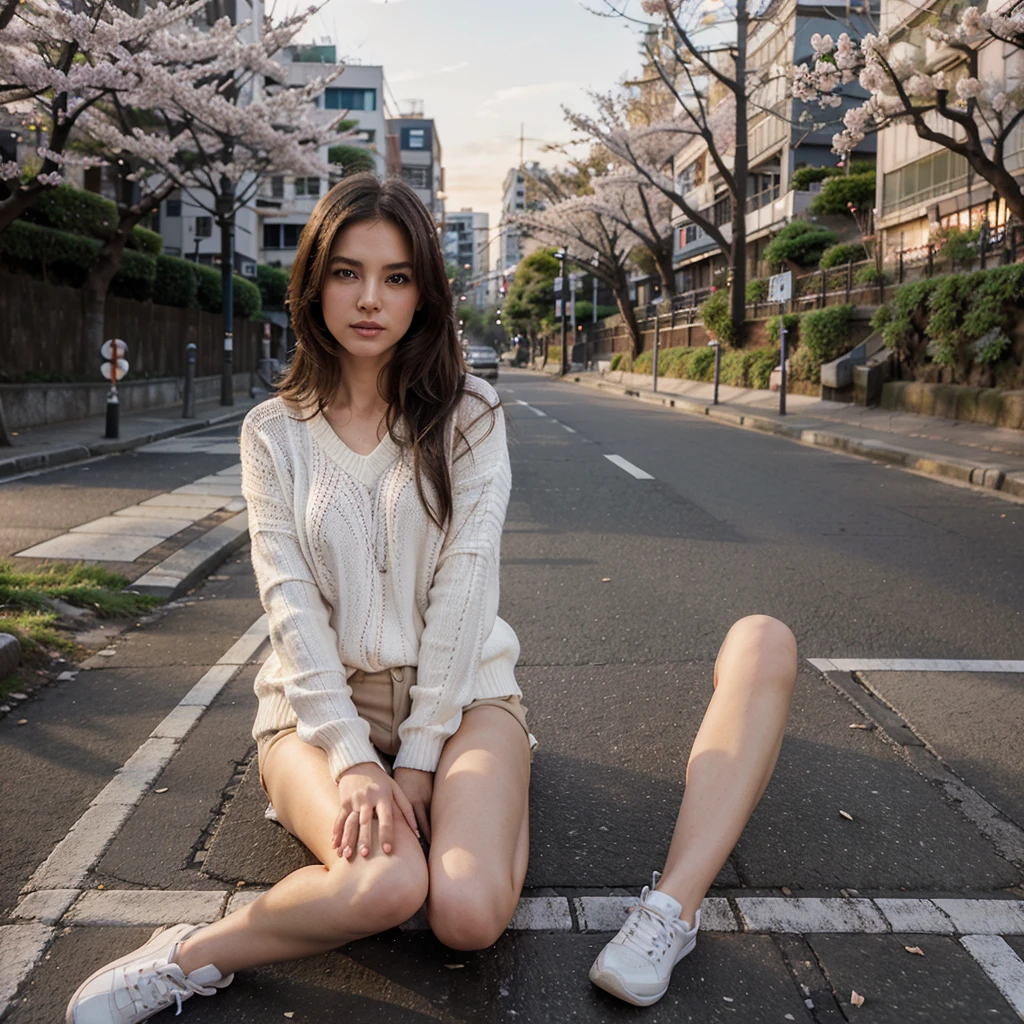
(718, 367)
(188, 409)
(113, 414)
(782, 359)
(657, 346)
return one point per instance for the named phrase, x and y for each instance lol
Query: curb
(78, 452)
(986, 476)
(187, 566)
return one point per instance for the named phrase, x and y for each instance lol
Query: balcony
(777, 212)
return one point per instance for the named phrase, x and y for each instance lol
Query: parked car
(482, 361)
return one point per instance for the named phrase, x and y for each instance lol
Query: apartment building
(466, 244)
(923, 187)
(415, 155)
(285, 202)
(779, 143)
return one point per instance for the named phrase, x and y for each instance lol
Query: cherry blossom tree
(956, 81)
(57, 62)
(712, 86)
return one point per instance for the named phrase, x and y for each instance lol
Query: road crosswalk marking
(914, 664)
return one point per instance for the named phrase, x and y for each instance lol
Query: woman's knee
(768, 641)
(378, 894)
(469, 915)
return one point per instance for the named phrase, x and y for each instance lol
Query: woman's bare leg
(733, 755)
(319, 907)
(480, 835)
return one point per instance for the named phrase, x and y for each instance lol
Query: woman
(731, 763)
(377, 484)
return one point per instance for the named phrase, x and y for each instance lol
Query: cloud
(521, 92)
(411, 76)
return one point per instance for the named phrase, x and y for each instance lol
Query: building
(285, 202)
(415, 155)
(466, 245)
(778, 145)
(513, 202)
(923, 187)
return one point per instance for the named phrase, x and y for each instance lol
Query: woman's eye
(398, 279)
(344, 272)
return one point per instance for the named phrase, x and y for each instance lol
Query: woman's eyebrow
(404, 265)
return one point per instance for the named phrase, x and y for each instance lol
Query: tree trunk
(5, 436)
(15, 205)
(97, 285)
(666, 272)
(738, 255)
(629, 318)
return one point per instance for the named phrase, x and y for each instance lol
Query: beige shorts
(383, 699)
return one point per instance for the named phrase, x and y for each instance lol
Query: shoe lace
(155, 987)
(648, 931)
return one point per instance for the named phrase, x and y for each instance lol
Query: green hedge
(959, 321)
(135, 275)
(745, 368)
(804, 177)
(801, 242)
(714, 314)
(67, 208)
(273, 285)
(175, 283)
(245, 294)
(144, 240)
(58, 256)
(825, 333)
(843, 253)
(839, 191)
(757, 290)
(792, 321)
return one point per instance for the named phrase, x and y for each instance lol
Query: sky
(483, 68)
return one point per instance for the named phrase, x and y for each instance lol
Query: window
(271, 236)
(307, 186)
(204, 227)
(173, 208)
(277, 186)
(290, 236)
(350, 99)
(417, 177)
(722, 211)
(688, 233)
(924, 179)
(415, 138)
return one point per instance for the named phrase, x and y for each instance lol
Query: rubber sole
(612, 983)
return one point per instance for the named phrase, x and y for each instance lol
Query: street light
(563, 256)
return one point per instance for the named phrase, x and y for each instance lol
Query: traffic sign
(114, 371)
(558, 284)
(780, 287)
(108, 347)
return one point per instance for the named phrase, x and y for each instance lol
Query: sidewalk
(967, 453)
(61, 443)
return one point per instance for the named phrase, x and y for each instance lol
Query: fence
(847, 284)
(41, 325)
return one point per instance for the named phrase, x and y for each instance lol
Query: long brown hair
(426, 376)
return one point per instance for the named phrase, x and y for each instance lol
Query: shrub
(73, 209)
(958, 245)
(843, 253)
(839, 192)
(792, 321)
(353, 159)
(175, 283)
(273, 285)
(801, 242)
(208, 288)
(714, 314)
(760, 368)
(134, 277)
(621, 361)
(54, 255)
(144, 240)
(825, 333)
(804, 366)
(757, 290)
(871, 275)
(644, 362)
(246, 298)
(806, 176)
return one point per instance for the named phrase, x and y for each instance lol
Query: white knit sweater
(354, 575)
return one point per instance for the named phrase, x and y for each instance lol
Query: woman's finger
(339, 828)
(405, 807)
(365, 829)
(385, 823)
(348, 838)
(423, 817)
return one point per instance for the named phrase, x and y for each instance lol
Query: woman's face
(369, 295)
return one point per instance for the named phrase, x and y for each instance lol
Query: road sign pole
(113, 413)
(188, 410)
(657, 345)
(782, 359)
(718, 369)
(115, 352)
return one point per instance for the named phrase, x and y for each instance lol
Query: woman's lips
(367, 331)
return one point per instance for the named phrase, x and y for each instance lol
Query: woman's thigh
(480, 837)
(305, 797)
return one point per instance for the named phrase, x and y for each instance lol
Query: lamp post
(563, 255)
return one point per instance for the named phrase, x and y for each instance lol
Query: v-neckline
(366, 468)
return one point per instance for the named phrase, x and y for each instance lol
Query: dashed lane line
(532, 408)
(634, 471)
(567, 428)
(914, 664)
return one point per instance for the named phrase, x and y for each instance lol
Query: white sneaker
(637, 964)
(142, 983)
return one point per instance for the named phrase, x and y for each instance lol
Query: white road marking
(532, 409)
(913, 664)
(126, 908)
(985, 917)
(632, 470)
(76, 854)
(21, 946)
(788, 915)
(1002, 965)
(566, 427)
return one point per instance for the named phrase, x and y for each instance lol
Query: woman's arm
(462, 605)
(304, 641)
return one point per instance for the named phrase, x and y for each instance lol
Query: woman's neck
(358, 392)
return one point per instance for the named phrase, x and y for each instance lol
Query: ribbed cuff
(345, 741)
(421, 746)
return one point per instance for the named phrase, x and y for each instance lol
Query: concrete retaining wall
(988, 406)
(34, 405)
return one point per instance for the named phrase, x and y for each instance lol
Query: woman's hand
(418, 787)
(366, 789)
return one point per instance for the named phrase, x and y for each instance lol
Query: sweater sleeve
(462, 604)
(306, 645)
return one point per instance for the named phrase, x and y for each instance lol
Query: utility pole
(226, 222)
(564, 256)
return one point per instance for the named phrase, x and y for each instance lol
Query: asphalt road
(621, 589)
